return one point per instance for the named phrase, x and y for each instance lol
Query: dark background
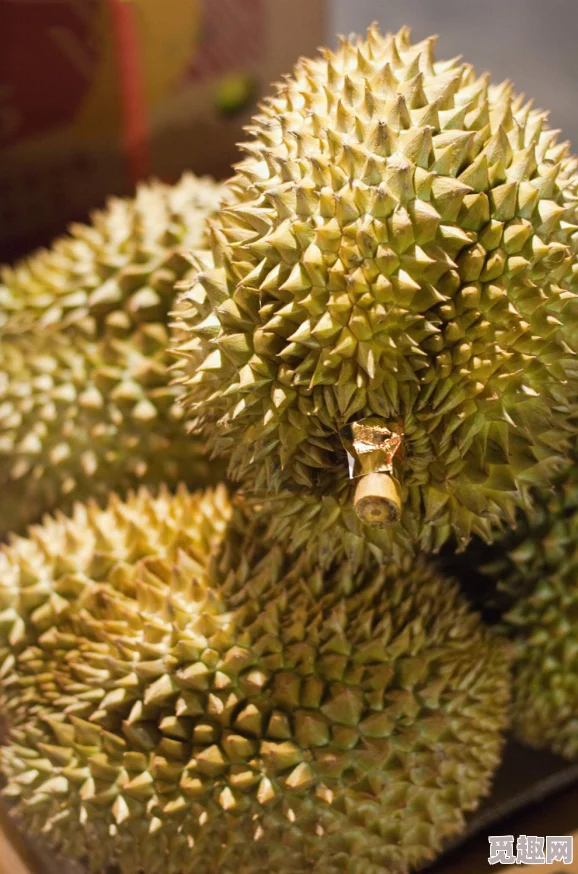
(57, 54)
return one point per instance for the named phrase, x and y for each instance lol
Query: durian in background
(184, 696)
(536, 572)
(398, 256)
(86, 404)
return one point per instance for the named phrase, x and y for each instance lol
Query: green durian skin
(400, 241)
(184, 696)
(86, 401)
(535, 570)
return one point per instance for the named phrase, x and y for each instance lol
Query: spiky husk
(399, 243)
(536, 571)
(85, 400)
(184, 696)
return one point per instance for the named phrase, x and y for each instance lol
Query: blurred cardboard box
(98, 93)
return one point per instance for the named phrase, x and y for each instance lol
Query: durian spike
(184, 695)
(399, 243)
(86, 403)
(377, 500)
(535, 569)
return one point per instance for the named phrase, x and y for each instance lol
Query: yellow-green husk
(184, 696)
(400, 241)
(536, 571)
(86, 404)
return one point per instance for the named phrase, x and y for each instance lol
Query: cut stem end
(377, 500)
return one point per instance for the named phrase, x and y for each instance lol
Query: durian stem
(377, 500)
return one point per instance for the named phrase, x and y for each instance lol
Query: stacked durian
(398, 243)
(377, 333)
(86, 403)
(535, 569)
(185, 695)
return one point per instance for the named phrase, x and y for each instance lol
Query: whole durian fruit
(397, 260)
(183, 696)
(86, 403)
(536, 571)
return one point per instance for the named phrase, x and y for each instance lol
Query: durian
(85, 398)
(183, 696)
(536, 571)
(400, 243)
